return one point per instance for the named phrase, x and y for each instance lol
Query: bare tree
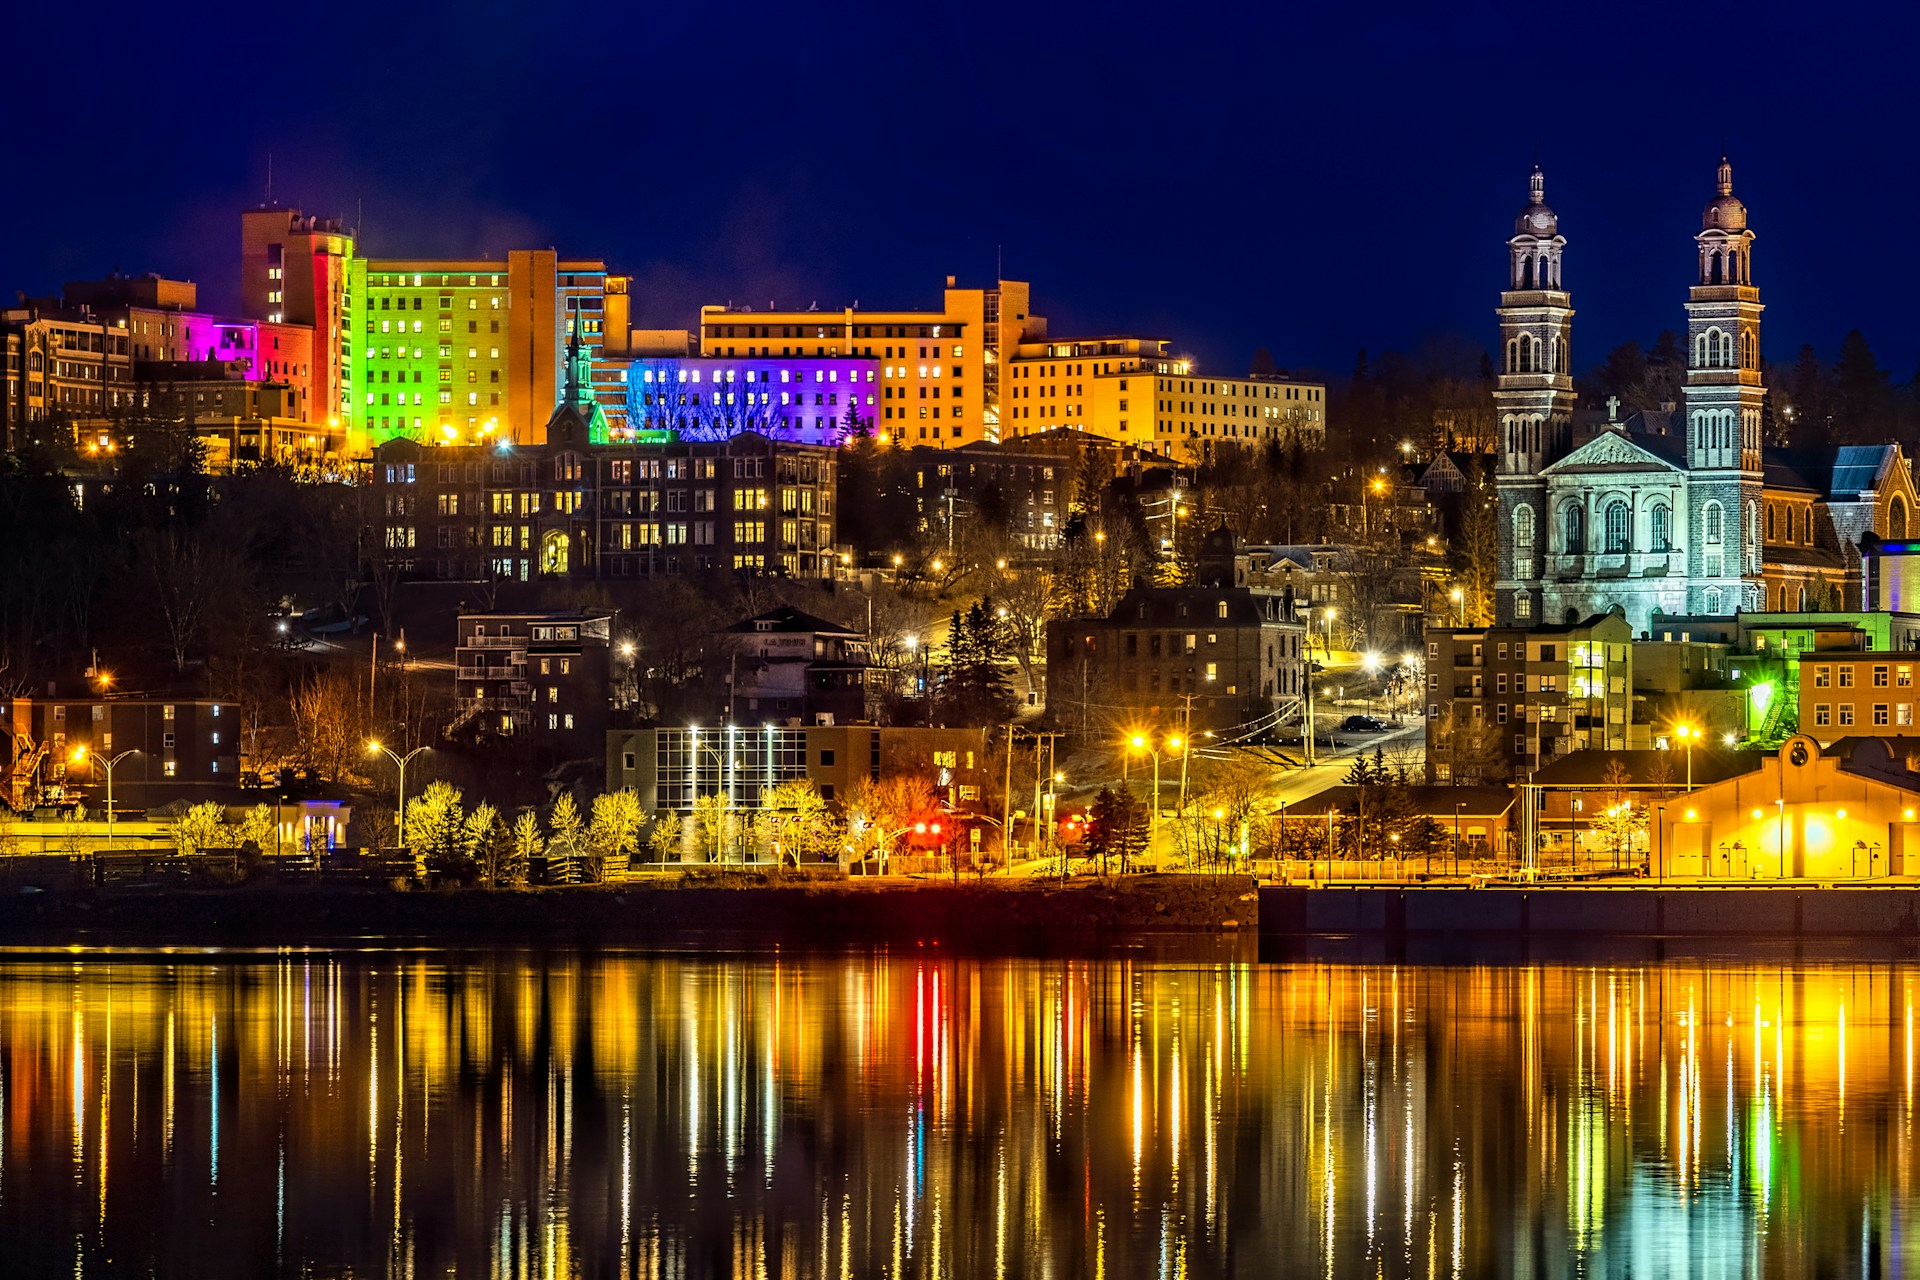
(187, 577)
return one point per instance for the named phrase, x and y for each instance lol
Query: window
(1846, 713)
(1879, 677)
(1573, 529)
(1880, 713)
(1713, 599)
(1523, 528)
(1617, 533)
(1822, 677)
(1662, 522)
(1713, 528)
(1846, 677)
(1822, 713)
(1212, 671)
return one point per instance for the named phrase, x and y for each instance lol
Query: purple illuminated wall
(707, 398)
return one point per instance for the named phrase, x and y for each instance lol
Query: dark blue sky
(1309, 179)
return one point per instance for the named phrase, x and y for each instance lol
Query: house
(788, 665)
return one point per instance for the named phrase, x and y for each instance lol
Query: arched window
(1526, 272)
(1712, 524)
(1662, 522)
(1573, 528)
(1803, 598)
(1523, 528)
(1618, 542)
(1753, 536)
(1713, 268)
(1897, 517)
(1714, 600)
(1769, 522)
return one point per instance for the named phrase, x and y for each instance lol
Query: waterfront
(516, 1113)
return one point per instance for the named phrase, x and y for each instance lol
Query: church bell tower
(1723, 400)
(1533, 398)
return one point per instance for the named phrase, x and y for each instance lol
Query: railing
(494, 642)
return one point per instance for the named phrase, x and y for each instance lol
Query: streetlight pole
(1688, 734)
(400, 762)
(107, 762)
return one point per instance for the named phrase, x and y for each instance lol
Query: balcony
(494, 642)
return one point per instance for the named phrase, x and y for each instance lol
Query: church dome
(1725, 212)
(1537, 219)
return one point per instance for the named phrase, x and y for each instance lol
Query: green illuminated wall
(430, 349)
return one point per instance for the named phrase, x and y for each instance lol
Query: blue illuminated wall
(786, 398)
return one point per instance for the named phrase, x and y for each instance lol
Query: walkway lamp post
(1688, 735)
(400, 763)
(106, 762)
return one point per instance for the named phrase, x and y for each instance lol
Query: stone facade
(1675, 509)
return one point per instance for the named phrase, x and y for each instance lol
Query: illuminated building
(1846, 812)
(472, 350)
(1502, 700)
(941, 372)
(670, 767)
(294, 270)
(74, 367)
(1132, 391)
(810, 399)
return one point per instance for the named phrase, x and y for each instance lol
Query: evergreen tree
(975, 689)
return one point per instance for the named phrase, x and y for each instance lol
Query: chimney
(949, 282)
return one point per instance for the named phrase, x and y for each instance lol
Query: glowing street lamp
(80, 756)
(400, 762)
(1688, 734)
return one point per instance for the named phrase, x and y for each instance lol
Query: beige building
(1132, 390)
(76, 367)
(942, 372)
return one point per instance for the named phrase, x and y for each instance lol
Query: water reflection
(507, 1115)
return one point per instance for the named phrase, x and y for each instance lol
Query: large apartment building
(1504, 700)
(573, 508)
(941, 372)
(1132, 390)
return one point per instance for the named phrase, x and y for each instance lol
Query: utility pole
(1186, 736)
(1006, 809)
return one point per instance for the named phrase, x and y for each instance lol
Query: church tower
(1723, 398)
(1533, 399)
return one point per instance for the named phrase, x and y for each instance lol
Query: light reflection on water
(514, 1115)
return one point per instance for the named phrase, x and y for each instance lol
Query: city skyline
(833, 198)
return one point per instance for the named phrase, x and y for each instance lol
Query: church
(1672, 510)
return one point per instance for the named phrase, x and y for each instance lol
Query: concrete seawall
(1589, 912)
(1014, 917)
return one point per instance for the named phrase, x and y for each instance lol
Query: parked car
(1361, 724)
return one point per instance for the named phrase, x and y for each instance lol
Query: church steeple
(579, 384)
(578, 418)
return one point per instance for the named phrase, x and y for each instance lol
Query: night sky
(1313, 179)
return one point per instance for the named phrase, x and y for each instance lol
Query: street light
(1688, 734)
(80, 756)
(400, 762)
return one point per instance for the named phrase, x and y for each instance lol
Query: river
(509, 1113)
